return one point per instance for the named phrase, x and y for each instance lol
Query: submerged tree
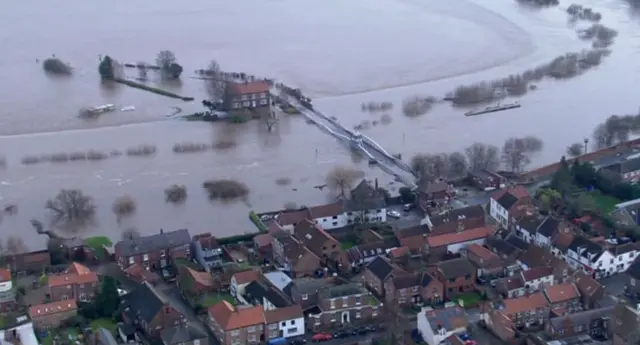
(71, 205)
(517, 152)
(168, 64)
(341, 179)
(216, 83)
(56, 66)
(575, 149)
(482, 157)
(106, 68)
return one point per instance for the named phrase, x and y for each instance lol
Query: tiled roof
(328, 210)
(203, 278)
(41, 310)
(561, 292)
(380, 268)
(252, 87)
(458, 237)
(313, 236)
(482, 252)
(5, 275)
(458, 214)
(587, 285)
(245, 277)
(72, 278)
(263, 240)
(230, 317)
(283, 314)
(292, 217)
(404, 281)
(513, 283)
(78, 269)
(536, 273)
(524, 304)
(146, 244)
(399, 252)
(456, 268)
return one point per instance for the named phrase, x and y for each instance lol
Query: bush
(142, 150)
(59, 158)
(416, 105)
(28, 160)
(176, 194)
(124, 205)
(96, 155)
(225, 189)
(77, 156)
(258, 223)
(224, 144)
(56, 66)
(190, 147)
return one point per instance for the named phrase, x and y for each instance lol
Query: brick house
(458, 276)
(51, 315)
(414, 238)
(563, 298)
(441, 245)
(248, 95)
(154, 251)
(535, 256)
(320, 243)
(433, 191)
(31, 262)
(306, 291)
(195, 282)
(537, 278)
(504, 205)
(488, 263)
(527, 310)
(454, 220)
(625, 325)
(407, 288)
(291, 254)
(77, 283)
(236, 325)
(590, 322)
(378, 272)
(343, 305)
(149, 310)
(590, 290)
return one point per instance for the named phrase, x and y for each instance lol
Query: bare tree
(14, 245)
(482, 156)
(168, 64)
(123, 206)
(341, 179)
(458, 166)
(142, 71)
(130, 234)
(430, 166)
(270, 119)
(575, 149)
(516, 152)
(71, 204)
(216, 82)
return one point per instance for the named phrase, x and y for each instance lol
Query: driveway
(406, 220)
(175, 299)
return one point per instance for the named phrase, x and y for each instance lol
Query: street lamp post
(586, 145)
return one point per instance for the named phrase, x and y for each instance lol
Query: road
(367, 146)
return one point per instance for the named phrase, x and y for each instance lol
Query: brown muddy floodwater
(395, 49)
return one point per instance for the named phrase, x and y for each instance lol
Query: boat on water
(493, 108)
(101, 109)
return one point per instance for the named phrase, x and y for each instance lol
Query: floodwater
(340, 53)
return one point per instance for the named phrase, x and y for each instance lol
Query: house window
(358, 300)
(292, 330)
(65, 297)
(293, 322)
(251, 329)
(334, 217)
(334, 223)
(235, 333)
(83, 297)
(284, 324)
(196, 342)
(252, 337)
(131, 260)
(414, 289)
(145, 257)
(611, 261)
(263, 102)
(304, 297)
(378, 211)
(273, 326)
(246, 104)
(162, 252)
(332, 303)
(632, 282)
(374, 314)
(358, 315)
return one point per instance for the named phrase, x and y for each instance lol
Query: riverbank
(152, 89)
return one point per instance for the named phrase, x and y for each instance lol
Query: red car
(321, 337)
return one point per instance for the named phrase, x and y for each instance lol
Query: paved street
(614, 285)
(406, 220)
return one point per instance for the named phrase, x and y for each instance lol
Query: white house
(365, 203)
(23, 327)
(527, 226)
(207, 251)
(590, 257)
(240, 280)
(287, 322)
(624, 255)
(505, 201)
(537, 278)
(436, 325)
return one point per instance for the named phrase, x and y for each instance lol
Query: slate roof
(549, 227)
(507, 201)
(257, 291)
(343, 290)
(417, 230)
(145, 302)
(501, 247)
(181, 334)
(581, 318)
(531, 222)
(312, 236)
(425, 279)
(448, 318)
(146, 244)
(625, 321)
(458, 214)
(405, 281)
(306, 286)
(456, 268)
(589, 247)
(380, 268)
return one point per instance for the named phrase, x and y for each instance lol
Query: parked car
(341, 334)
(321, 337)
(393, 214)
(298, 341)
(361, 330)
(481, 281)
(408, 207)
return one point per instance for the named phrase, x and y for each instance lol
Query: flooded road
(394, 50)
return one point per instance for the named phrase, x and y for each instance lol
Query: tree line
(515, 155)
(166, 61)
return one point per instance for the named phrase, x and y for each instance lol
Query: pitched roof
(5, 275)
(404, 281)
(457, 214)
(399, 252)
(72, 278)
(139, 272)
(258, 292)
(549, 227)
(482, 252)
(501, 247)
(145, 302)
(78, 269)
(230, 317)
(283, 314)
(181, 334)
(292, 217)
(512, 283)
(523, 304)
(313, 236)
(536, 256)
(418, 230)
(263, 240)
(456, 268)
(429, 187)
(381, 268)
(246, 276)
(458, 237)
(40, 310)
(449, 318)
(536, 273)
(629, 165)
(203, 278)
(531, 222)
(425, 279)
(207, 241)
(151, 243)
(581, 318)
(250, 87)
(587, 285)
(507, 201)
(328, 210)
(585, 247)
(561, 292)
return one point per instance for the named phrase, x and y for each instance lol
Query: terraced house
(154, 251)
(238, 325)
(343, 305)
(77, 283)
